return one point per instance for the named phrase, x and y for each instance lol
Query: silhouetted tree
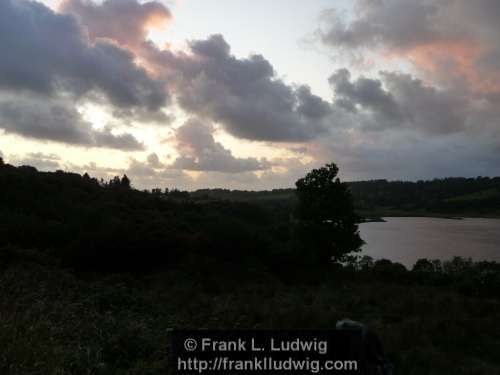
(115, 182)
(119, 183)
(365, 263)
(423, 266)
(125, 182)
(327, 225)
(1, 162)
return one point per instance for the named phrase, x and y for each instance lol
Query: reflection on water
(406, 239)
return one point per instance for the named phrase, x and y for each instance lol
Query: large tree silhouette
(326, 223)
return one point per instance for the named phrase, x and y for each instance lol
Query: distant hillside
(449, 196)
(86, 199)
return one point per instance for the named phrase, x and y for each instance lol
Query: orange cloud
(157, 20)
(125, 22)
(451, 63)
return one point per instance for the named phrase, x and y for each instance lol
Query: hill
(466, 197)
(449, 196)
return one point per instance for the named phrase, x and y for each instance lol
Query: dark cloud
(41, 120)
(57, 121)
(200, 152)
(48, 53)
(365, 92)
(244, 95)
(395, 23)
(128, 115)
(401, 101)
(427, 108)
(311, 106)
(125, 142)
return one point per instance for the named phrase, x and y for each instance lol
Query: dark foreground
(55, 322)
(93, 274)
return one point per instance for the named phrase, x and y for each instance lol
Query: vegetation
(327, 225)
(94, 273)
(449, 196)
(465, 197)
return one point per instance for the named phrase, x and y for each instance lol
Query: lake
(407, 239)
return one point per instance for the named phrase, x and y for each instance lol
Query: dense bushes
(111, 227)
(54, 322)
(474, 278)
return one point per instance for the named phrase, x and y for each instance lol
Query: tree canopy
(327, 224)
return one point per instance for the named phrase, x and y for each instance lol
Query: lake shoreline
(380, 217)
(407, 239)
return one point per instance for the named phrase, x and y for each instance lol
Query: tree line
(91, 224)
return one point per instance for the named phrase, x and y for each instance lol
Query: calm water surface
(405, 239)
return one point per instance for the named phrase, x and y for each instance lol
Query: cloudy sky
(251, 94)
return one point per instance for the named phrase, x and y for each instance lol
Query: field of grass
(54, 322)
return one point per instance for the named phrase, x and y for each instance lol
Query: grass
(53, 322)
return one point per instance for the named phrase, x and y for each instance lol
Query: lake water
(407, 239)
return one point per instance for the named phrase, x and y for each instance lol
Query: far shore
(381, 217)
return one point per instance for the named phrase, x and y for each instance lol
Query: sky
(251, 94)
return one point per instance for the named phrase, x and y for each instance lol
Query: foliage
(455, 196)
(54, 322)
(326, 222)
(107, 226)
(94, 273)
(442, 197)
